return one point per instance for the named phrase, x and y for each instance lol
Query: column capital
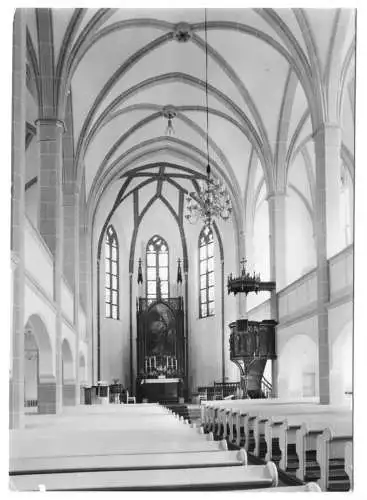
(276, 194)
(49, 122)
(326, 126)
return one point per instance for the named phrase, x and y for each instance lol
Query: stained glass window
(206, 273)
(157, 267)
(111, 274)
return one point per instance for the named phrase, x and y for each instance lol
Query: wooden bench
(348, 457)
(209, 409)
(311, 487)
(79, 442)
(218, 416)
(213, 478)
(306, 438)
(331, 448)
(252, 418)
(288, 433)
(95, 463)
(228, 419)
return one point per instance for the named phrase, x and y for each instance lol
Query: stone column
(16, 388)
(71, 261)
(76, 296)
(277, 248)
(49, 134)
(327, 153)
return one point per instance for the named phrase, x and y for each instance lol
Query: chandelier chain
(206, 86)
(212, 200)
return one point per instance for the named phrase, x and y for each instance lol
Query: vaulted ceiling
(128, 65)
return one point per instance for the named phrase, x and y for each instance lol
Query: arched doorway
(68, 378)
(39, 378)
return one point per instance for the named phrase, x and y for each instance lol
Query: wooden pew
(237, 415)
(289, 428)
(212, 478)
(331, 447)
(312, 487)
(348, 457)
(209, 409)
(219, 415)
(306, 438)
(76, 442)
(260, 415)
(257, 421)
(99, 463)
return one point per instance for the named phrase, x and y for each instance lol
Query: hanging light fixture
(212, 200)
(169, 114)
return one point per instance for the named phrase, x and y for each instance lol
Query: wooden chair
(130, 399)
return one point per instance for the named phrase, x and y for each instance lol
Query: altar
(161, 350)
(161, 389)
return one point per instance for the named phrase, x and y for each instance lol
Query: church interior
(182, 246)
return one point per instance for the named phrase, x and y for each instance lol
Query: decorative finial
(179, 271)
(140, 273)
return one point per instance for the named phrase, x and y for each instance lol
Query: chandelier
(246, 282)
(212, 199)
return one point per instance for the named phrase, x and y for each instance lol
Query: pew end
(242, 456)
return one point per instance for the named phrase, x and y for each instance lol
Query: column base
(47, 398)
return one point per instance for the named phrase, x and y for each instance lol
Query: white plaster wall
(300, 246)
(297, 347)
(341, 273)
(82, 325)
(260, 312)
(298, 296)
(38, 260)
(341, 352)
(67, 300)
(34, 303)
(261, 254)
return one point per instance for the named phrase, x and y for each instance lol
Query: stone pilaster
(277, 248)
(71, 259)
(49, 133)
(76, 297)
(328, 148)
(327, 154)
(16, 389)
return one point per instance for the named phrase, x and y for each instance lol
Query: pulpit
(161, 356)
(252, 343)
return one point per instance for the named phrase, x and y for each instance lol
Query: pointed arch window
(206, 273)
(111, 274)
(157, 255)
